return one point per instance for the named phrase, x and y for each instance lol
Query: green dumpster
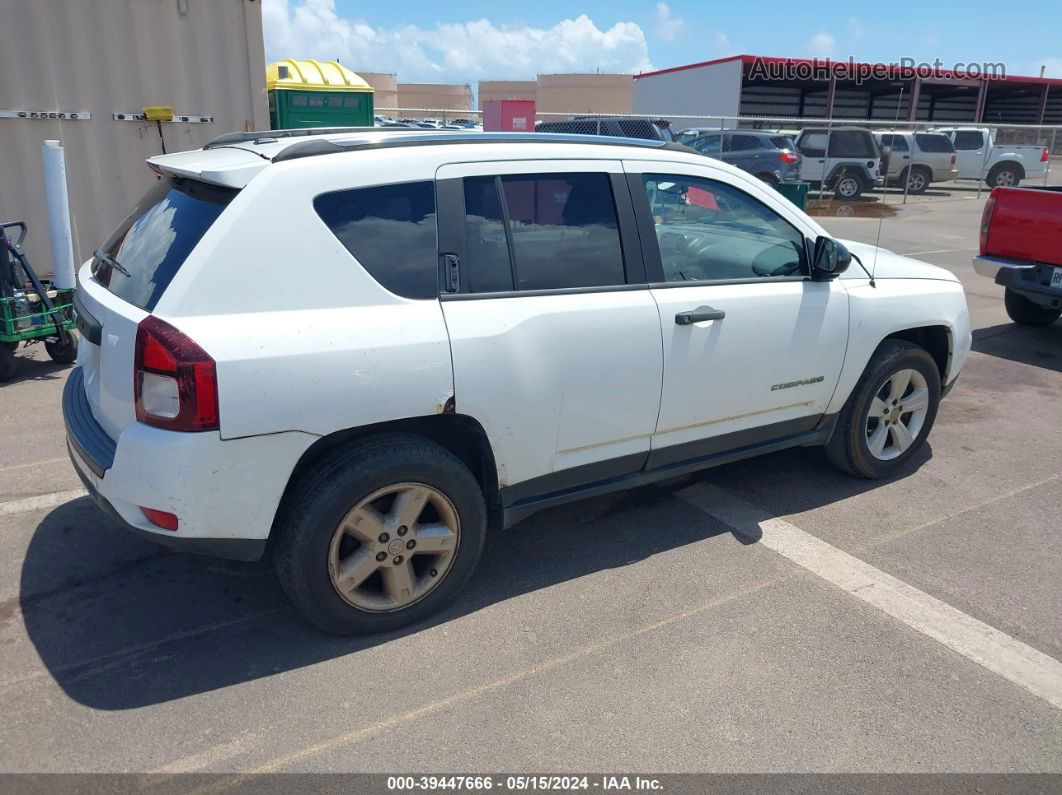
(796, 192)
(314, 94)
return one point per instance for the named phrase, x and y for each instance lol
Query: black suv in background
(618, 126)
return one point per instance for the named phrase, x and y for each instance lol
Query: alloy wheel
(897, 413)
(394, 547)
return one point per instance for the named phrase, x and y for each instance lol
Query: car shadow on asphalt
(31, 369)
(121, 623)
(1040, 347)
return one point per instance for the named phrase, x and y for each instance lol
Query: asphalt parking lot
(655, 630)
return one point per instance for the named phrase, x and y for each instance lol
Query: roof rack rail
(256, 136)
(329, 146)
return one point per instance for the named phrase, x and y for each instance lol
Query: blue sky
(470, 41)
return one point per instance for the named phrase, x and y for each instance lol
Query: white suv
(361, 350)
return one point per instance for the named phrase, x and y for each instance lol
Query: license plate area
(1056, 278)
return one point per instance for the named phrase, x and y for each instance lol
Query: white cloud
(856, 29)
(822, 45)
(722, 42)
(1054, 67)
(452, 52)
(667, 26)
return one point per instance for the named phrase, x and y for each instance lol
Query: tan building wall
(118, 56)
(385, 87)
(444, 96)
(506, 89)
(585, 93)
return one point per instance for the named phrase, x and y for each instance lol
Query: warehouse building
(750, 85)
(385, 86)
(105, 63)
(566, 93)
(432, 96)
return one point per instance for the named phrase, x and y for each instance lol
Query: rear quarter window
(934, 142)
(391, 231)
(152, 243)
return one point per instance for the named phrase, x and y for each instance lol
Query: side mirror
(829, 260)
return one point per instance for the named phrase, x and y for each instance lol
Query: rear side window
(852, 143)
(390, 230)
(934, 142)
(781, 142)
(542, 232)
(639, 128)
(153, 242)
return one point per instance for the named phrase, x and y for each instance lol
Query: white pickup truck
(979, 157)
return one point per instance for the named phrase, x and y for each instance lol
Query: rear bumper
(225, 493)
(1031, 279)
(245, 549)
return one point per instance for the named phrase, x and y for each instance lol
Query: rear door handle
(699, 314)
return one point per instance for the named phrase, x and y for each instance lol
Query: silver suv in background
(770, 157)
(917, 158)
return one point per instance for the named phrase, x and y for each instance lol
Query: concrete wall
(118, 56)
(585, 93)
(505, 89)
(445, 96)
(703, 91)
(385, 85)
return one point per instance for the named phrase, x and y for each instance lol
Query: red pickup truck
(1021, 249)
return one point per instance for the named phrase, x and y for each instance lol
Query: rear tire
(918, 182)
(8, 360)
(63, 354)
(1003, 176)
(334, 504)
(847, 187)
(876, 411)
(1022, 310)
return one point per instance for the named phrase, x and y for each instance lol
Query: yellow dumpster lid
(313, 75)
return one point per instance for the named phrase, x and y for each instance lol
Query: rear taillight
(953, 160)
(175, 382)
(986, 220)
(1044, 156)
(788, 157)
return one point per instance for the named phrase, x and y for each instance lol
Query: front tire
(889, 414)
(8, 361)
(379, 535)
(1023, 311)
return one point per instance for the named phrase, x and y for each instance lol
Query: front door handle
(699, 314)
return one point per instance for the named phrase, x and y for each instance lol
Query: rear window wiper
(107, 259)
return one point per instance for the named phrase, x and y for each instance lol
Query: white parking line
(40, 501)
(1013, 660)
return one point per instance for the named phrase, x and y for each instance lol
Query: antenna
(881, 215)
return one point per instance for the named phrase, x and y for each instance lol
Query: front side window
(709, 231)
(390, 230)
(896, 142)
(541, 232)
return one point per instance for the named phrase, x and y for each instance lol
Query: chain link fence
(853, 165)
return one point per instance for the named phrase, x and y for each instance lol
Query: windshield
(153, 242)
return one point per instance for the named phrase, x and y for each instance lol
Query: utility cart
(31, 310)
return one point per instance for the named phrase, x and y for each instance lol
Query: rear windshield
(153, 242)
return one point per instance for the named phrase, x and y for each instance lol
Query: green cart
(31, 310)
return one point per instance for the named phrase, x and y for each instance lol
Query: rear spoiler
(228, 166)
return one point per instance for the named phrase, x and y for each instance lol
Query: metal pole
(1050, 152)
(984, 160)
(58, 215)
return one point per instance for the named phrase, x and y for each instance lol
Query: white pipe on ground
(59, 215)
